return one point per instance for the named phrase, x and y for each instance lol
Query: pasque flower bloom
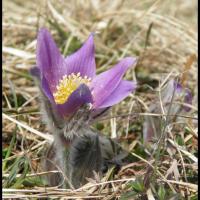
(72, 81)
(171, 95)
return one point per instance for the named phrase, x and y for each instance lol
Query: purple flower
(72, 81)
(187, 99)
(182, 93)
(152, 125)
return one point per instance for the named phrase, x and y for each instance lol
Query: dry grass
(163, 34)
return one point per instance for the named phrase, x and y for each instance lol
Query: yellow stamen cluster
(67, 85)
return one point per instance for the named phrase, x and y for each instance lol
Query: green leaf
(34, 181)
(12, 180)
(128, 195)
(194, 197)
(138, 186)
(9, 150)
(179, 140)
(21, 179)
(161, 192)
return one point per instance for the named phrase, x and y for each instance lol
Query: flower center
(67, 85)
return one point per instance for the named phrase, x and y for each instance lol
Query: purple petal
(178, 87)
(168, 91)
(46, 90)
(104, 84)
(121, 92)
(49, 59)
(188, 99)
(35, 71)
(83, 60)
(78, 98)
